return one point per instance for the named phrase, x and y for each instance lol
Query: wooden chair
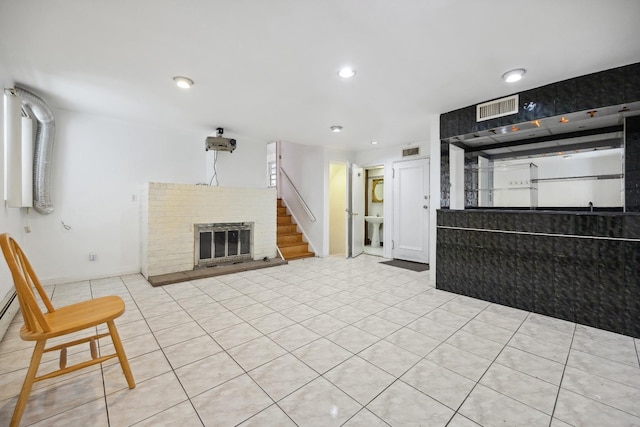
(39, 326)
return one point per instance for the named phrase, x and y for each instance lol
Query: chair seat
(76, 317)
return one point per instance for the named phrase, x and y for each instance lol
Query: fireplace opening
(223, 243)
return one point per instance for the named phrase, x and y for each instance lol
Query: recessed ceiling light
(374, 142)
(347, 72)
(183, 82)
(513, 75)
(336, 129)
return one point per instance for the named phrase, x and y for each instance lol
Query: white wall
(99, 165)
(245, 167)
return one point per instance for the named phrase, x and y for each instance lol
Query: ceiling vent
(414, 151)
(498, 108)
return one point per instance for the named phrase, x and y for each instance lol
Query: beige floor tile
(377, 326)
(440, 383)
(536, 366)
(603, 390)
(490, 408)
(403, 405)
(578, 410)
(189, 351)
(352, 338)
(282, 376)
(390, 357)
(257, 352)
(359, 379)
(93, 413)
(322, 355)
(231, 403)
(321, 404)
(235, 335)
(460, 361)
(207, 373)
(143, 367)
(272, 416)
(531, 391)
(365, 418)
(182, 414)
(293, 337)
(149, 398)
(271, 322)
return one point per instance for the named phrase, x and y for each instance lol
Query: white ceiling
(267, 69)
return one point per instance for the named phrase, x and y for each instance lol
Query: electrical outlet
(134, 197)
(93, 256)
(27, 229)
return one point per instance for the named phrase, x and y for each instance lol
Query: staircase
(289, 239)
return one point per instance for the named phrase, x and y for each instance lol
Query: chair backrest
(25, 281)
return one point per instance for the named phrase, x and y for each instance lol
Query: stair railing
(310, 214)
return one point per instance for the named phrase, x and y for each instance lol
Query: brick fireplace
(170, 213)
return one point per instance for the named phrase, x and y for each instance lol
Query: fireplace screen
(223, 243)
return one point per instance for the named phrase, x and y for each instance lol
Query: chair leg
(124, 363)
(28, 383)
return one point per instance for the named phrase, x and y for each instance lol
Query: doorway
(411, 199)
(338, 209)
(374, 211)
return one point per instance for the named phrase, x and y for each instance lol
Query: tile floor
(333, 341)
(374, 250)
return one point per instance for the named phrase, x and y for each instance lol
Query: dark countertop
(624, 225)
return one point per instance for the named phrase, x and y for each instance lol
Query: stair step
(294, 245)
(300, 256)
(294, 250)
(289, 239)
(287, 229)
(285, 239)
(284, 220)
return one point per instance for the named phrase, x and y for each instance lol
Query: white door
(411, 210)
(356, 207)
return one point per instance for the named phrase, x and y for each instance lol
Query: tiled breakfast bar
(582, 267)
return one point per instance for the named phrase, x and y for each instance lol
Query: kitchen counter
(582, 267)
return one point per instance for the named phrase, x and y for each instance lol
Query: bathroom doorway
(374, 210)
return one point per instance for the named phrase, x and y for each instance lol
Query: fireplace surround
(169, 212)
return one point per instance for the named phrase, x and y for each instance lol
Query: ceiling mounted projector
(219, 143)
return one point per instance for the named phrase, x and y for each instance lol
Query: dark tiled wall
(611, 87)
(632, 164)
(591, 281)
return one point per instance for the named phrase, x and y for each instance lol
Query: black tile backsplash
(592, 281)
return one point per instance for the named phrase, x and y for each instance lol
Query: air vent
(498, 108)
(410, 151)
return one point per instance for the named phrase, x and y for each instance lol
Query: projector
(220, 143)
